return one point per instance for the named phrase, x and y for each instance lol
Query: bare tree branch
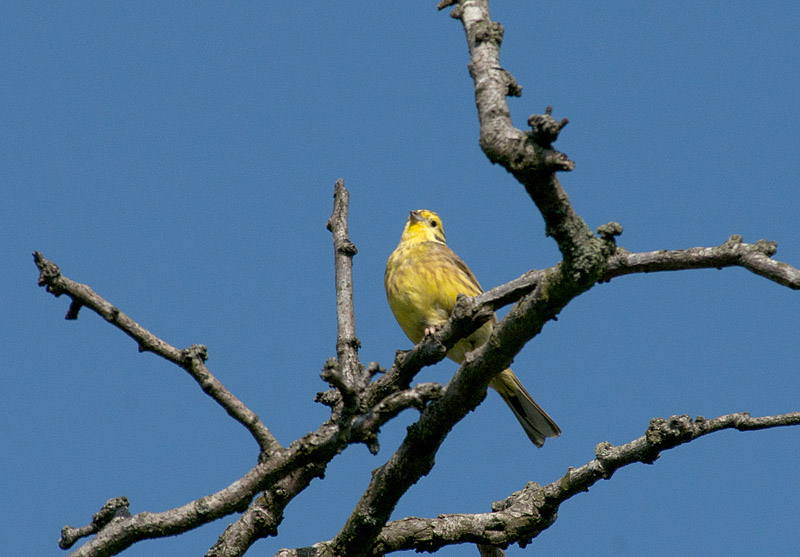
(346, 374)
(526, 513)
(278, 468)
(191, 359)
(753, 257)
(415, 457)
(121, 533)
(281, 473)
(284, 475)
(263, 516)
(359, 408)
(305, 459)
(347, 343)
(527, 155)
(115, 508)
(393, 404)
(531, 159)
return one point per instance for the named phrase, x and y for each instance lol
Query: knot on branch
(767, 247)
(468, 309)
(347, 248)
(432, 349)
(193, 353)
(747, 252)
(372, 443)
(609, 230)
(328, 398)
(530, 504)
(607, 233)
(603, 450)
(374, 368)
(513, 88)
(545, 128)
(665, 434)
(734, 241)
(332, 374)
(423, 393)
(530, 498)
(489, 31)
(264, 522)
(343, 343)
(49, 273)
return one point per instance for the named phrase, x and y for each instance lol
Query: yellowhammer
(423, 278)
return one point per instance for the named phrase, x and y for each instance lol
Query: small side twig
(366, 424)
(115, 508)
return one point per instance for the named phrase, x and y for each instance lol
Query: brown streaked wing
(466, 276)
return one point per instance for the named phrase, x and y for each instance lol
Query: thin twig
(349, 375)
(191, 359)
(756, 258)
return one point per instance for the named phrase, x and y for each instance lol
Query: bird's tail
(535, 421)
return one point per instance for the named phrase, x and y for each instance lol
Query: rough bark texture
(361, 404)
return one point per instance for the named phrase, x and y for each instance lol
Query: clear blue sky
(180, 158)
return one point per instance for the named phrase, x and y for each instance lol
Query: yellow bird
(423, 278)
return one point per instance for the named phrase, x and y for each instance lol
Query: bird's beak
(414, 216)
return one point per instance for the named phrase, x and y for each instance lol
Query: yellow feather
(423, 279)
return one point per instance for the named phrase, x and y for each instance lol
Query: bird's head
(423, 226)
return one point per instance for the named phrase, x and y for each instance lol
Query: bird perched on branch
(423, 278)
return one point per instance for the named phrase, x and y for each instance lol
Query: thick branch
(529, 156)
(526, 513)
(543, 288)
(191, 359)
(415, 457)
(555, 287)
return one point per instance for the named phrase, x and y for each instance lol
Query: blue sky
(180, 158)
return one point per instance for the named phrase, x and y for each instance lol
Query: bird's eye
(434, 224)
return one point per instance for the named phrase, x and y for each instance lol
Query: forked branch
(526, 513)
